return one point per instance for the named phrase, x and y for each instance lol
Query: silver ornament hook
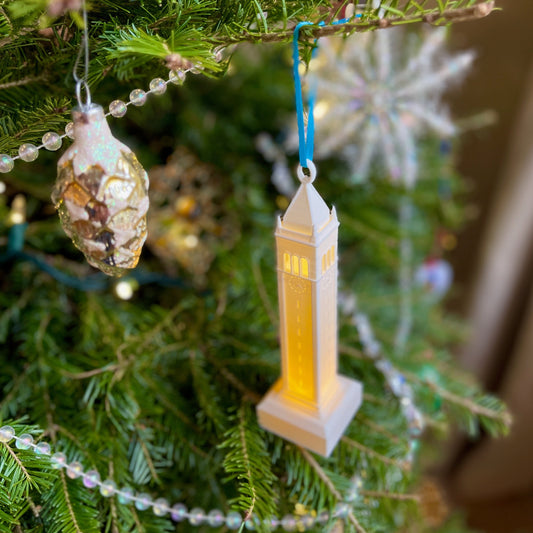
(312, 172)
(84, 49)
(79, 84)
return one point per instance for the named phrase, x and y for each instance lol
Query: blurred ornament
(433, 505)
(101, 194)
(188, 220)
(446, 240)
(435, 275)
(372, 103)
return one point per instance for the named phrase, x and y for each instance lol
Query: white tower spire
(311, 404)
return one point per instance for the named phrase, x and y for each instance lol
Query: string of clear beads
(53, 141)
(161, 507)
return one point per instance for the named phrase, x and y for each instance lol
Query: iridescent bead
(353, 493)
(160, 507)
(43, 448)
(373, 349)
(288, 523)
(413, 448)
(124, 495)
(158, 86)
(251, 523)
(385, 367)
(91, 479)
(233, 520)
(69, 130)
(342, 510)
(74, 470)
(118, 108)
(363, 326)
(414, 419)
(137, 97)
(323, 517)
(6, 433)
(6, 163)
(178, 512)
(59, 460)
(108, 488)
(52, 141)
(215, 518)
(28, 152)
(24, 441)
(307, 521)
(196, 69)
(143, 501)
(396, 383)
(177, 77)
(196, 516)
(273, 523)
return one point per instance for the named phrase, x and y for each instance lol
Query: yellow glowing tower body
(311, 404)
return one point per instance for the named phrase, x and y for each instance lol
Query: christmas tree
(128, 404)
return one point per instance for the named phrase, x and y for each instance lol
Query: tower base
(318, 431)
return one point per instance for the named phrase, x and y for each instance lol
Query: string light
(125, 289)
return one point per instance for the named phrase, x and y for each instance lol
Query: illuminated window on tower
(287, 262)
(304, 267)
(295, 266)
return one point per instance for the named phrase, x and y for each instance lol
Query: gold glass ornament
(101, 194)
(189, 218)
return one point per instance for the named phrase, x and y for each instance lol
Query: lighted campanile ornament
(311, 404)
(101, 192)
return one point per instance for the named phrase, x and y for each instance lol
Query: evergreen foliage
(157, 393)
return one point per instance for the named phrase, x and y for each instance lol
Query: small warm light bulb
(124, 289)
(17, 214)
(2, 187)
(321, 109)
(191, 241)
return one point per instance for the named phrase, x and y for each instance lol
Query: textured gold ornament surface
(101, 194)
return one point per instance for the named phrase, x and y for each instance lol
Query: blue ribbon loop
(306, 138)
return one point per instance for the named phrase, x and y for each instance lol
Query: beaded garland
(53, 141)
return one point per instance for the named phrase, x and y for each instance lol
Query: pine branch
(248, 461)
(390, 495)
(376, 455)
(21, 474)
(470, 406)
(72, 514)
(331, 487)
(434, 17)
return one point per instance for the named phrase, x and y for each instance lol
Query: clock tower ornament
(311, 404)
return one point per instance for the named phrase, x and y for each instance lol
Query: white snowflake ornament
(377, 93)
